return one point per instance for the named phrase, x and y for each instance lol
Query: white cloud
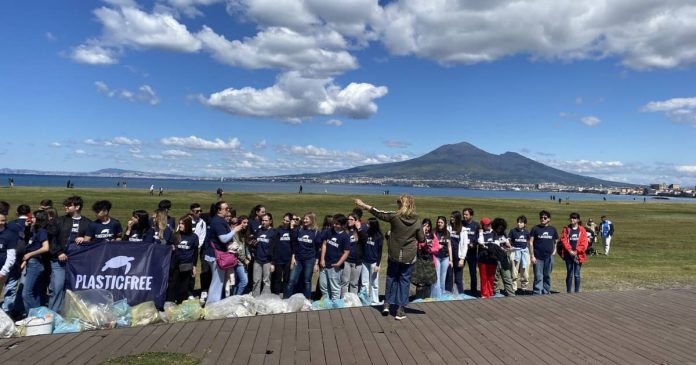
(55, 145)
(200, 143)
(175, 153)
(50, 37)
(644, 34)
(93, 54)
(297, 97)
(145, 94)
(578, 100)
(588, 166)
(134, 150)
(253, 156)
(342, 158)
(90, 141)
(80, 152)
(590, 121)
(319, 54)
(190, 7)
(126, 141)
(396, 144)
(129, 26)
(687, 169)
(261, 145)
(334, 122)
(679, 110)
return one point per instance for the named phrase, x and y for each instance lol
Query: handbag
(424, 272)
(224, 259)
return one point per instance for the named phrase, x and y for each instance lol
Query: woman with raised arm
(406, 232)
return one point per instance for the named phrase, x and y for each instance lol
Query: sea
(293, 187)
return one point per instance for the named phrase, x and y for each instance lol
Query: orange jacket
(582, 243)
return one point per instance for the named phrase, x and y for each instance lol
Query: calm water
(282, 187)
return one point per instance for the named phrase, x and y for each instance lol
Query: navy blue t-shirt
(444, 241)
(573, 236)
(519, 237)
(8, 241)
(265, 239)
(168, 235)
(147, 237)
(36, 239)
(471, 229)
(186, 249)
(336, 244)
(218, 227)
(373, 249)
(455, 238)
(73, 232)
(100, 232)
(306, 244)
(544, 240)
(282, 250)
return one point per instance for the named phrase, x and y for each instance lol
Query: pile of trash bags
(445, 297)
(96, 309)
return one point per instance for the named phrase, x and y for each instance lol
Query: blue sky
(265, 87)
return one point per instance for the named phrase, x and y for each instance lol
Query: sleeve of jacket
(54, 246)
(583, 242)
(564, 239)
(611, 229)
(435, 248)
(384, 216)
(463, 244)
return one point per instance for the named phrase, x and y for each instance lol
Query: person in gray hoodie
(406, 232)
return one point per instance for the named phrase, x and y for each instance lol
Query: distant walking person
(161, 191)
(606, 228)
(406, 232)
(542, 245)
(300, 192)
(68, 184)
(152, 189)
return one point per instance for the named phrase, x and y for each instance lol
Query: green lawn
(652, 246)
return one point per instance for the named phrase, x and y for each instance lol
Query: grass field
(652, 247)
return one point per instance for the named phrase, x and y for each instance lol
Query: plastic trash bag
(122, 313)
(7, 326)
(298, 303)
(323, 303)
(339, 303)
(93, 307)
(269, 304)
(465, 297)
(144, 314)
(188, 310)
(231, 307)
(352, 300)
(67, 326)
(364, 299)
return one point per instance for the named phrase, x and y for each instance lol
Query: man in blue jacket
(606, 228)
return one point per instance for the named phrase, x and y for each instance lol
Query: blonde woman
(406, 232)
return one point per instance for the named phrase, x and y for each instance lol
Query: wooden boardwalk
(629, 327)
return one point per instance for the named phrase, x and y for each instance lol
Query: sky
(239, 88)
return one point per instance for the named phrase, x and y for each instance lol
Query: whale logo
(105, 231)
(118, 261)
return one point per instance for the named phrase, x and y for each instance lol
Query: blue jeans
(441, 269)
(32, 277)
(305, 269)
(217, 284)
(12, 303)
(542, 270)
(56, 288)
(398, 282)
(330, 282)
(241, 278)
(573, 268)
(370, 282)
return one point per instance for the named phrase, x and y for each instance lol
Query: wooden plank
(109, 345)
(234, 339)
(24, 348)
(161, 344)
(357, 344)
(248, 338)
(395, 351)
(218, 343)
(71, 355)
(184, 333)
(275, 339)
(262, 335)
(289, 339)
(206, 342)
(328, 336)
(302, 337)
(373, 350)
(196, 335)
(146, 342)
(316, 340)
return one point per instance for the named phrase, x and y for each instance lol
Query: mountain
(465, 162)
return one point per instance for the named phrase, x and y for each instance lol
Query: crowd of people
(282, 257)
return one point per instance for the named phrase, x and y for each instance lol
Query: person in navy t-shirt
(8, 245)
(104, 228)
(32, 263)
(266, 237)
(471, 227)
(542, 245)
(282, 254)
(519, 237)
(186, 252)
(304, 257)
(334, 252)
(138, 228)
(372, 261)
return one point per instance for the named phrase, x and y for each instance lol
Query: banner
(135, 271)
